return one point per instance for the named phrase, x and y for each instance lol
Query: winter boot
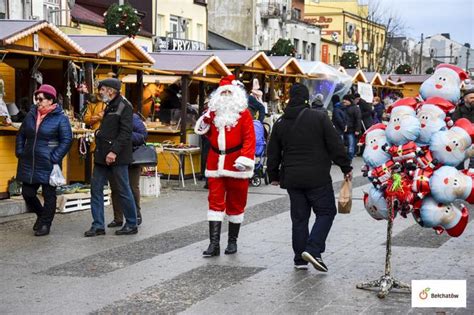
(214, 236)
(232, 242)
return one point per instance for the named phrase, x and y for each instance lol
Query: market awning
(113, 48)
(36, 38)
(374, 78)
(286, 65)
(205, 65)
(150, 78)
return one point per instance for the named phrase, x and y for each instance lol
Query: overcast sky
(436, 16)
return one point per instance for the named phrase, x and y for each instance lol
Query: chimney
(446, 35)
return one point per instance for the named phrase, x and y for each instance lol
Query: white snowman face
(431, 120)
(444, 83)
(448, 184)
(434, 214)
(403, 126)
(373, 154)
(450, 146)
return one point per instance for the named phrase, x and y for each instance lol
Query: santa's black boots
(214, 236)
(232, 242)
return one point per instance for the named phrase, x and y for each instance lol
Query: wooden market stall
(411, 83)
(104, 54)
(31, 52)
(193, 70)
(357, 75)
(376, 80)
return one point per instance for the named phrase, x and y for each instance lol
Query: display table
(179, 155)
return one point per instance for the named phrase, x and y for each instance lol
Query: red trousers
(227, 196)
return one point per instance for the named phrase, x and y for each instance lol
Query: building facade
(346, 26)
(55, 11)
(258, 24)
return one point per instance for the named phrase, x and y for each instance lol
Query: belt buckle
(221, 152)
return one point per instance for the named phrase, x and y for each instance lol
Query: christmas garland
(283, 47)
(122, 20)
(403, 69)
(349, 60)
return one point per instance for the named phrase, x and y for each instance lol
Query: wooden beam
(184, 103)
(89, 76)
(139, 89)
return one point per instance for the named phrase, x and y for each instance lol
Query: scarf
(41, 114)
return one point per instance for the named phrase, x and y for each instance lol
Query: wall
(183, 8)
(305, 33)
(233, 20)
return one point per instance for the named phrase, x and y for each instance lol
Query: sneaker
(317, 262)
(301, 267)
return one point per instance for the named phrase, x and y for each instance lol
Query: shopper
(302, 145)
(112, 156)
(43, 140)
(139, 135)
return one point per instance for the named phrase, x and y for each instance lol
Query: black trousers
(323, 203)
(45, 212)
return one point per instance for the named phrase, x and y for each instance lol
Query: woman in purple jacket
(139, 135)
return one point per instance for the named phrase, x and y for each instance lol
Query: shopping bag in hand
(56, 178)
(344, 203)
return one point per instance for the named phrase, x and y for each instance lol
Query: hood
(293, 112)
(299, 95)
(253, 102)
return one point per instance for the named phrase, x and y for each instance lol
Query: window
(174, 26)
(200, 32)
(305, 49)
(296, 43)
(160, 25)
(3, 9)
(313, 52)
(52, 11)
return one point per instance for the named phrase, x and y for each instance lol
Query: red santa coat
(229, 145)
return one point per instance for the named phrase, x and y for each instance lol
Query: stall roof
(17, 32)
(412, 78)
(190, 64)
(151, 78)
(286, 64)
(103, 46)
(357, 75)
(374, 78)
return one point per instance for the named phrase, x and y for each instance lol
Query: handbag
(144, 156)
(344, 204)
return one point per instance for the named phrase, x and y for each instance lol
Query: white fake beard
(450, 92)
(374, 158)
(228, 107)
(438, 148)
(409, 130)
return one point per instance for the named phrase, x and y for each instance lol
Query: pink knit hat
(46, 88)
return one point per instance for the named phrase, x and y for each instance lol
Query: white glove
(240, 167)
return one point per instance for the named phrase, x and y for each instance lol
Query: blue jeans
(119, 173)
(351, 144)
(321, 200)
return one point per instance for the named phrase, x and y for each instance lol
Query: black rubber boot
(214, 236)
(232, 242)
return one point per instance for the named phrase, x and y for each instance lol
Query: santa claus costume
(229, 127)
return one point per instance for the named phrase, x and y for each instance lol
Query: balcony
(271, 10)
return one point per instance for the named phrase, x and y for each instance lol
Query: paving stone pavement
(160, 270)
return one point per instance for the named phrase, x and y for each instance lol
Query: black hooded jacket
(299, 156)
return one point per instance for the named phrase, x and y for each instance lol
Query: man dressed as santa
(229, 127)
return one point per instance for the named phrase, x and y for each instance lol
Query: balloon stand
(386, 282)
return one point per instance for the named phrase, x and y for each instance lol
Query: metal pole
(421, 53)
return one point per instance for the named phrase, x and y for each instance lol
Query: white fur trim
(221, 139)
(236, 218)
(226, 173)
(201, 128)
(245, 161)
(213, 215)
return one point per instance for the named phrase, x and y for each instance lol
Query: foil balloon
(375, 204)
(451, 147)
(443, 217)
(403, 126)
(374, 139)
(448, 184)
(432, 116)
(445, 82)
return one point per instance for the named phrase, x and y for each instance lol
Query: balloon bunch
(412, 160)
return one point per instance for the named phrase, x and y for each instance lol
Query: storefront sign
(169, 43)
(325, 53)
(321, 21)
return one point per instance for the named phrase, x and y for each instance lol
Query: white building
(54, 11)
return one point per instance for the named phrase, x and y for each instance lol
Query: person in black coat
(354, 124)
(44, 138)
(112, 156)
(366, 110)
(139, 135)
(339, 118)
(302, 145)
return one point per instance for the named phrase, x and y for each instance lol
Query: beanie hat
(46, 89)
(111, 83)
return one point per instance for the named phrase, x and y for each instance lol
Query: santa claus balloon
(445, 82)
(444, 217)
(403, 126)
(229, 127)
(432, 115)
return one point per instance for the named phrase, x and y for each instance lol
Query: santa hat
(379, 126)
(446, 106)
(467, 126)
(460, 72)
(457, 230)
(407, 101)
(228, 80)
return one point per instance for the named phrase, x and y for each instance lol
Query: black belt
(228, 151)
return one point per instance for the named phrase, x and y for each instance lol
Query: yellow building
(345, 27)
